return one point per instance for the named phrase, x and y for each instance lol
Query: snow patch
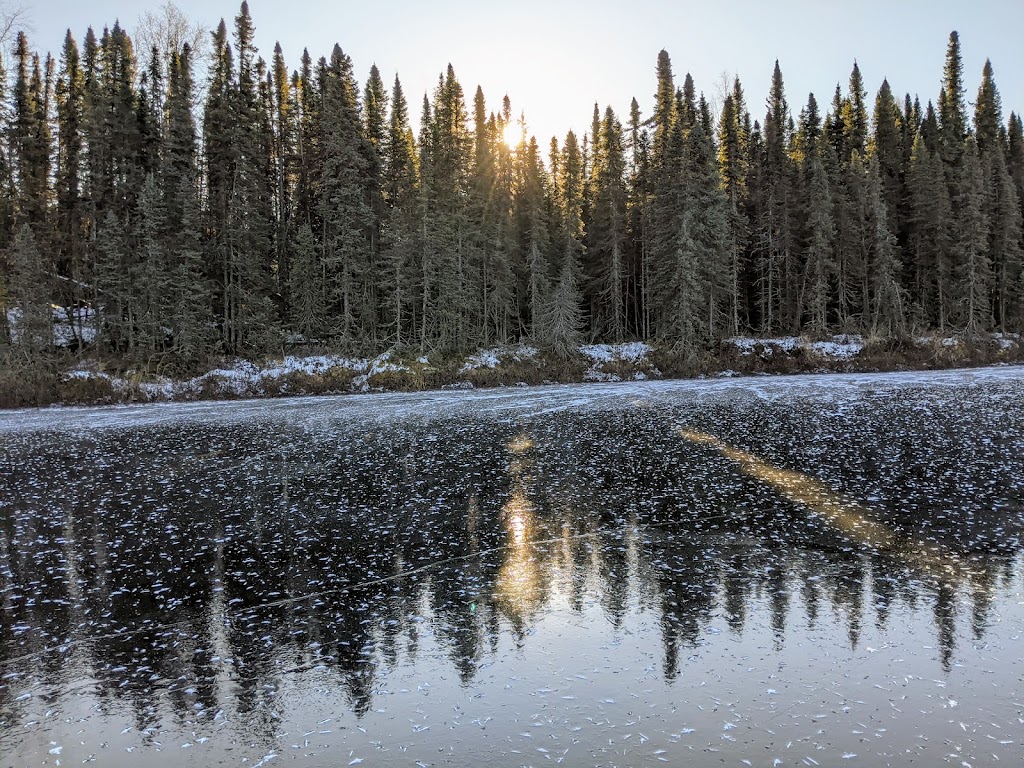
(747, 345)
(841, 347)
(69, 324)
(492, 358)
(634, 352)
(1006, 340)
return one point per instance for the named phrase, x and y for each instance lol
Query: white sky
(555, 59)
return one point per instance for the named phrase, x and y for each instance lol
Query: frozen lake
(815, 570)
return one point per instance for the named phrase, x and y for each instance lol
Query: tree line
(294, 207)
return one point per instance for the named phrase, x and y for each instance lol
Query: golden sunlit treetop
(513, 133)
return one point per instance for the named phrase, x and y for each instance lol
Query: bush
(26, 386)
(87, 390)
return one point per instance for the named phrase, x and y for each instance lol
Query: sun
(512, 134)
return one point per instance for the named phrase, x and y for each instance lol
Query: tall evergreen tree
(972, 269)
(887, 147)
(566, 316)
(345, 204)
(399, 189)
(70, 243)
(887, 294)
(607, 233)
(952, 114)
(29, 137)
(930, 244)
(445, 154)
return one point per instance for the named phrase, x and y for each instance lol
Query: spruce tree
(972, 269)
(711, 220)
(1003, 215)
(534, 242)
(988, 112)
(734, 164)
(566, 315)
(929, 241)
(190, 310)
(30, 293)
(445, 162)
(308, 302)
(854, 115)
(345, 209)
(399, 189)
(773, 219)
(887, 294)
(70, 242)
(818, 259)
(284, 150)
(887, 147)
(606, 232)
(952, 111)
(29, 137)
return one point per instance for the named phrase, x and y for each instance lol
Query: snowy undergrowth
(492, 358)
(522, 364)
(841, 347)
(616, 362)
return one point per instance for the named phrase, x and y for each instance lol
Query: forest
(160, 220)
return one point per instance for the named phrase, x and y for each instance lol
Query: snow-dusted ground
(502, 401)
(840, 347)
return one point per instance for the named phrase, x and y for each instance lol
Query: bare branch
(169, 29)
(12, 17)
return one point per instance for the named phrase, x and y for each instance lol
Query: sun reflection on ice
(844, 514)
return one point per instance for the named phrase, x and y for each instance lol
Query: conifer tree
(190, 310)
(887, 147)
(566, 316)
(854, 116)
(306, 286)
(283, 126)
(988, 112)
(375, 111)
(1006, 228)
(240, 197)
(638, 191)
(930, 245)
(1015, 153)
(445, 152)
(606, 233)
(399, 190)
(29, 137)
(952, 111)
(818, 260)
(70, 244)
(887, 294)
(30, 292)
(711, 219)
(773, 217)
(972, 270)
(345, 208)
(534, 241)
(734, 163)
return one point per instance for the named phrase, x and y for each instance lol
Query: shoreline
(87, 383)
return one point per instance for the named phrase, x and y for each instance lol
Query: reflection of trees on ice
(210, 556)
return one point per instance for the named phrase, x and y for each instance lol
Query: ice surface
(521, 400)
(785, 570)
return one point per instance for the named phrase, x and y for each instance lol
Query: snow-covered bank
(88, 383)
